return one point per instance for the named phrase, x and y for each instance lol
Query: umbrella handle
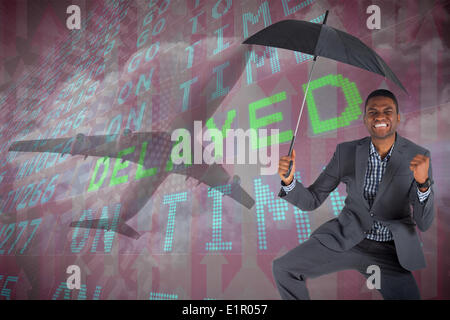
(289, 170)
(291, 147)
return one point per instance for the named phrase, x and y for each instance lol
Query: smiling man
(385, 175)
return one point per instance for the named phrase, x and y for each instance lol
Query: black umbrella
(325, 41)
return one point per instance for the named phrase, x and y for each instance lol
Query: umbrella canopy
(324, 41)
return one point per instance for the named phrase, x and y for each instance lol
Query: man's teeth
(381, 125)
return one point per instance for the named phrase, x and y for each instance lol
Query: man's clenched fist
(419, 166)
(283, 167)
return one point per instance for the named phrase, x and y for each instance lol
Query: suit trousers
(312, 259)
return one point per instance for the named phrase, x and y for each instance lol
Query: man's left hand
(419, 166)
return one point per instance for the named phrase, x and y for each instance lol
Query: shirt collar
(373, 151)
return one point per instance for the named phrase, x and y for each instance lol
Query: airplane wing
(215, 175)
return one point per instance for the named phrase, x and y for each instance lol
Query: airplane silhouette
(157, 147)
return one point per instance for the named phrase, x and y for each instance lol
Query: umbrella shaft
(301, 109)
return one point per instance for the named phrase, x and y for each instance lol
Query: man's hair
(382, 93)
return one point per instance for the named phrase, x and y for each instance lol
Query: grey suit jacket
(396, 194)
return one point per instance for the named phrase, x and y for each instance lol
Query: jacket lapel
(362, 156)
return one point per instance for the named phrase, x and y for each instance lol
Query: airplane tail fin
(121, 227)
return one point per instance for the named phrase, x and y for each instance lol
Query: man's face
(381, 117)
